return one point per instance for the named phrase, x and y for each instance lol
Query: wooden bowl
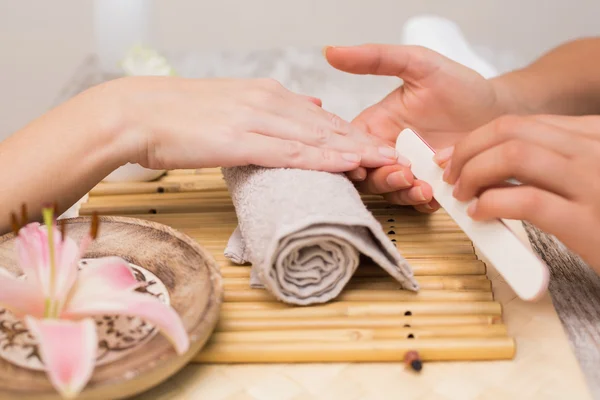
(192, 278)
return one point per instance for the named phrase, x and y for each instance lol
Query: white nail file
(521, 268)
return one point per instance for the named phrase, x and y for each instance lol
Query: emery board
(519, 266)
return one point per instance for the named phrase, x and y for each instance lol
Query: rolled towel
(304, 232)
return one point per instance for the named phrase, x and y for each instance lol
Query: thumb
(410, 63)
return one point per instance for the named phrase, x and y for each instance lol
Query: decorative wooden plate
(194, 289)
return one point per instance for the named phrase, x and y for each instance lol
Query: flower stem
(48, 214)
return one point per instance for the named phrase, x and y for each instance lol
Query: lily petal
(104, 277)
(134, 304)
(33, 254)
(67, 254)
(68, 350)
(19, 296)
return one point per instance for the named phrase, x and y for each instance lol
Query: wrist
(511, 93)
(107, 106)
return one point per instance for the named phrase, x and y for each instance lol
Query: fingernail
(418, 195)
(358, 175)
(351, 157)
(403, 161)
(324, 50)
(456, 189)
(388, 152)
(472, 208)
(397, 180)
(447, 171)
(443, 155)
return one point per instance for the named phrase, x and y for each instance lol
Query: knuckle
(293, 151)
(326, 156)
(322, 135)
(269, 84)
(336, 122)
(507, 124)
(529, 203)
(468, 175)
(513, 152)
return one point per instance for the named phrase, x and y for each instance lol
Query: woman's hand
(439, 99)
(195, 123)
(557, 160)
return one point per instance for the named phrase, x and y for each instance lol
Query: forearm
(564, 81)
(60, 156)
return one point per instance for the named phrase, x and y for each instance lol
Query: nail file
(519, 266)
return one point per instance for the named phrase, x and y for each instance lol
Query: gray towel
(303, 232)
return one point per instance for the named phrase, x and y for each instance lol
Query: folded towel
(304, 231)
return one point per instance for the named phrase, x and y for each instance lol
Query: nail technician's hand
(556, 158)
(195, 123)
(440, 99)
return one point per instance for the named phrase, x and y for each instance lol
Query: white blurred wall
(42, 42)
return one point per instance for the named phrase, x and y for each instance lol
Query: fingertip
(442, 157)
(472, 209)
(426, 190)
(424, 208)
(357, 175)
(351, 158)
(315, 101)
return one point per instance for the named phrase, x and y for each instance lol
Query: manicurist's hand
(440, 99)
(194, 123)
(557, 159)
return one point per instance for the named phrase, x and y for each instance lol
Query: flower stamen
(95, 226)
(14, 222)
(24, 216)
(48, 214)
(63, 229)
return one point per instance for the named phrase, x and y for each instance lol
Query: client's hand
(556, 158)
(439, 99)
(195, 123)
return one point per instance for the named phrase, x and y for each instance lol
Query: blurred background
(42, 43)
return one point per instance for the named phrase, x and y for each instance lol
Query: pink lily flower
(57, 301)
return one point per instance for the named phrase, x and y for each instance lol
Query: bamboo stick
(406, 239)
(446, 349)
(196, 171)
(370, 295)
(196, 217)
(466, 250)
(475, 282)
(382, 322)
(155, 208)
(356, 309)
(420, 268)
(124, 188)
(354, 335)
(151, 197)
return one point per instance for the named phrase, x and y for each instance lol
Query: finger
(548, 211)
(425, 208)
(528, 163)
(320, 135)
(322, 119)
(420, 193)
(316, 101)
(272, 152)
(357, 175)
(588, 125)
(509, 128)
(408, 62)
(434, 205)
(386, 179)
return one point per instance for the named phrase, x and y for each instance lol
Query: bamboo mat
(464, 311)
